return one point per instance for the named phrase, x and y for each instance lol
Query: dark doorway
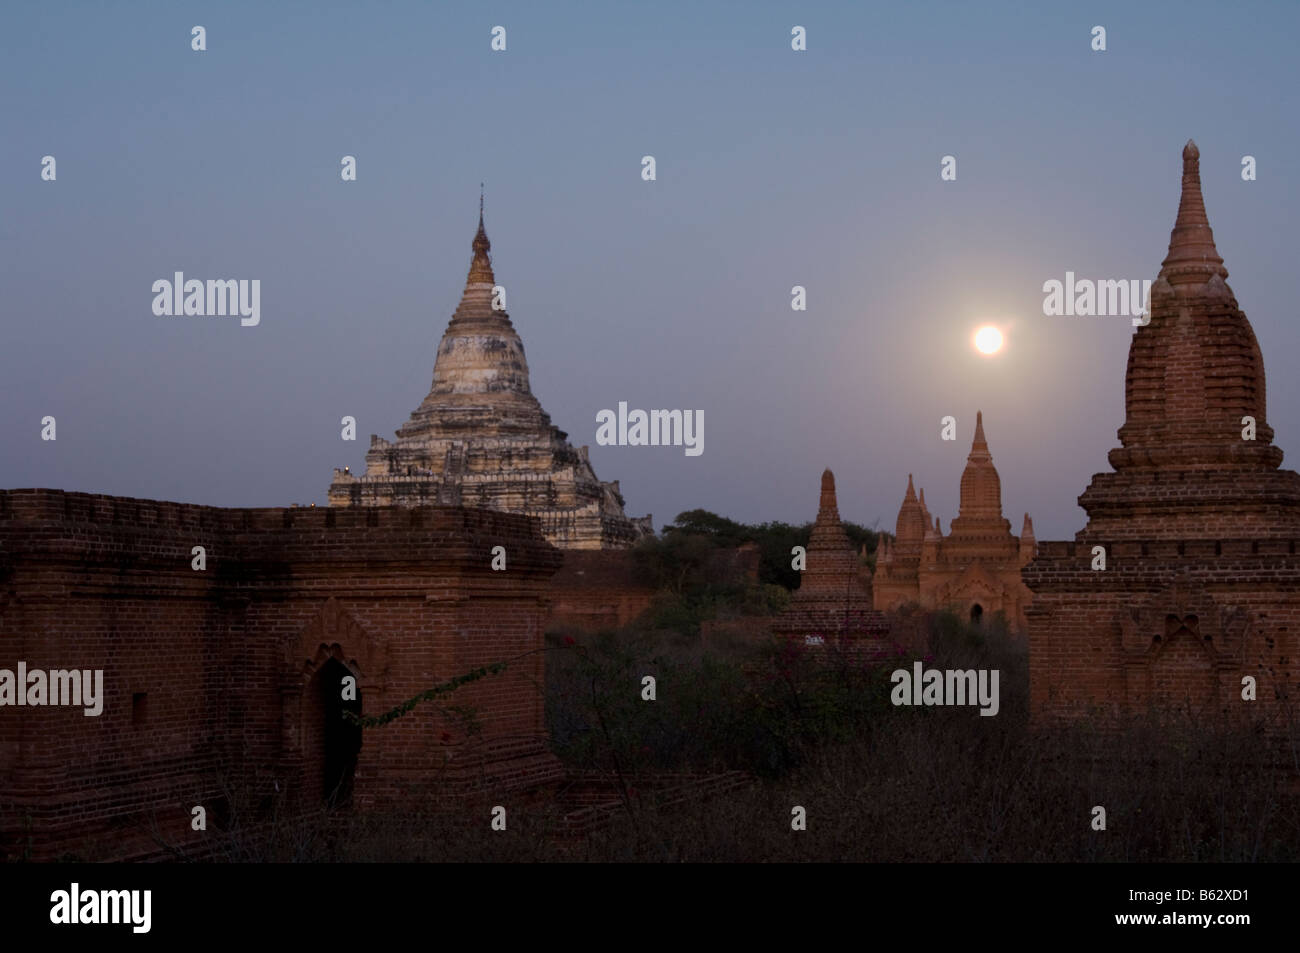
(976, 614)
(342, 739)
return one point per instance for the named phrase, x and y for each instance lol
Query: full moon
(988, 340)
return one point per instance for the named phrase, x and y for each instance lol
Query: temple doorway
(341, 739)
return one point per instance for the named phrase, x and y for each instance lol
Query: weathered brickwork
(480, 437)
(1197, 524)
(975, 569)
(599, 590)
(834, 595)
(611, 588)
(223, 678)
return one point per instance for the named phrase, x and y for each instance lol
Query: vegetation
(774, 541)
(698, 583)
(814, 728)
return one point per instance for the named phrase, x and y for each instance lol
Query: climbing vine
(374, 721)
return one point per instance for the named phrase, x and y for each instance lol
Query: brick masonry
(219, 672)
(833, 600)
(603, 589)
(1199, 527)
(975, 569)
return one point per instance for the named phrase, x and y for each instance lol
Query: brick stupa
(975, 569)
(834, 594)
(1197, 523)
(480, 438)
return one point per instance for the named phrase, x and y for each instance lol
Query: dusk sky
(775, 168)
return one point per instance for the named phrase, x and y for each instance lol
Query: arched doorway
(976, 614)
(1182, 672)
(340, 738)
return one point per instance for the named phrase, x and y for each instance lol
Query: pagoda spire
(1195, 373)
(832, 563)
(480, 352)
(827, 510)
(480, 268)
(979, 447)
(981, 490)
(1192, 257)
(910, 528)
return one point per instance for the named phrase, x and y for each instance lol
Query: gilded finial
(480, 268)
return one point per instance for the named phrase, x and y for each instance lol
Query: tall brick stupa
(1197, 525)
(834, 594)
(480, 438)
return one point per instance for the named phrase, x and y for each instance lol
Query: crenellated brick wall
(213, 678)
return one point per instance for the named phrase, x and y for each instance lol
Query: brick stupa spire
(1195, 374)
(834, 594)
(1199, 526)
(909, 529)
(1192, 258)
(980, 511)
(832, 563)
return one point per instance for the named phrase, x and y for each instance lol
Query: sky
(774, 168)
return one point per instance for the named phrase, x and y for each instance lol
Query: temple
(223, 684)
(834, 594)
(1183, 589)
(480, 438)
(975, 569)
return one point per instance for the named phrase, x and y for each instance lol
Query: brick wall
(608, 589)
(217, 673)
(599, 589)
(1167, 624)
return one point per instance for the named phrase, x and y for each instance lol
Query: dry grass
(879, 783)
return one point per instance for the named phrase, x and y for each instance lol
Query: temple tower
(975, 569)
(480, 437)
(834, 594)
(1197, 525)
